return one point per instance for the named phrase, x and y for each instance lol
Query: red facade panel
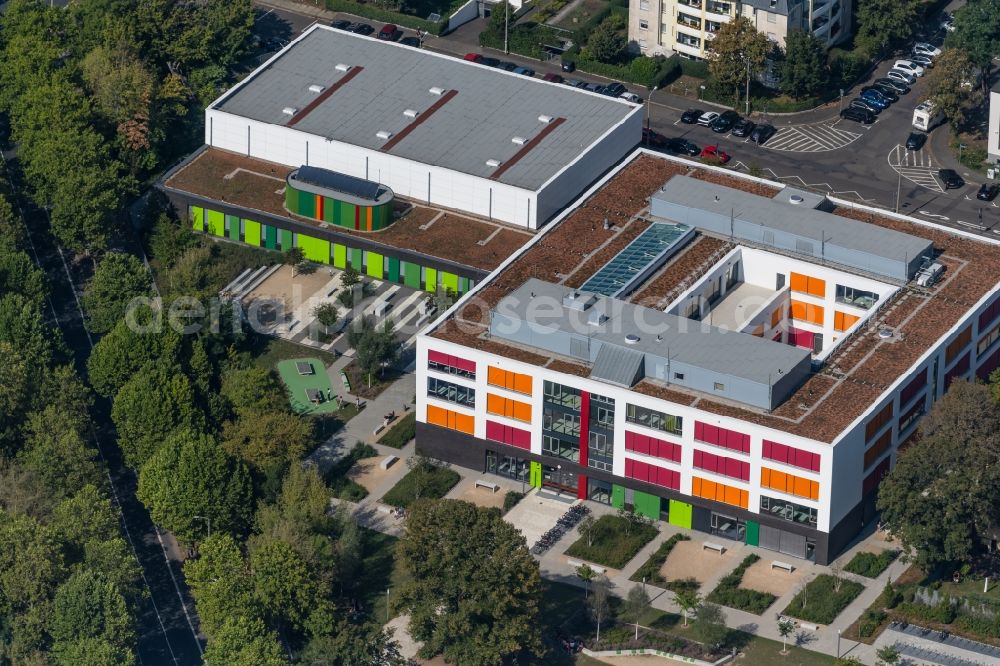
(729, 439)
(791, 455)
(914, 387)
(651, 446)
(960, 368)
(660, 476)
(506, 434)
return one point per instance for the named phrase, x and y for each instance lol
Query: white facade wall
(993, 135)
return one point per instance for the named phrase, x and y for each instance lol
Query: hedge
(401, 433)
(342, 487)
(612, 547)
(387, 16)
(511, 499)
(437, 485)
(819, 603)
(650, 571)
(522, 40)
(871, 565)
(729, 593)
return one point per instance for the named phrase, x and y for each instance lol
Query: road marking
(811, 138)
(934, 215)
(263, 15)
(915, 167)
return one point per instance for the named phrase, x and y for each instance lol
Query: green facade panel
(251, 232)
(339, 255)
(329, 210)
(216, 223)
(382, 216)
(348, 213)
(646, 505)
(315, 249)
(292, 199)
(618, 496)
(375, 264)
(680, 514)
(463, 284)
(286, 240)
(449, 281)
(233, 224)
(753, 533)
(393, 275)
(270, 237)
(307, 204)
(430, 279)
(411, 275)
(357, 259)
(535, 475)
(197, 218)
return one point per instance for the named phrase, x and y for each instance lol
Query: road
(813, 150)
(165, 621)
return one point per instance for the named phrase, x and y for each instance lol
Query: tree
(887, 654)
(220, 582)
(598, 605)
(121, 354)
(350, 553)
(942, 498)
(374, 347)
(882, 22)
(785, 629)
(267, 440)
(943, 85)
(977, 33)
(687, 599)
(738, 53)
(474, 589)
(587, 529)
(88, 607)
(802, 71)
(635, 604)
(283, 585)
(350, 276)
(190, 475)
(348, 644)
(585, 573)
(169, 239)
(86, 516)
(606, 44)
(55, 451)
(243, 641)
(327, 315)
(255, 389)
(710, 625)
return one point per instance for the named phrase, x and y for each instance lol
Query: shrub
(511, 499)
(820, 601)
(424, 481)
(614, 542)
(401, 433)
(651, 569)
(342, 487)
(942, 613)
(870, 622)
(871, 565)
(729, 593)
(980, 625)
(370, 11)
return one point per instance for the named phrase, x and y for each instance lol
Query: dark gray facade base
(470, 452)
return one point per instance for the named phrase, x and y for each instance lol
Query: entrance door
(772, 538)
(559, 479)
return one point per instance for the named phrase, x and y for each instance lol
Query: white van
(926, 117)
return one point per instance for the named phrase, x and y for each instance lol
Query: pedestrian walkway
(916, 166)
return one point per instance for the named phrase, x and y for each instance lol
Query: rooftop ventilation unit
(580, 301)
(341, 67)
(436, 91)
(929, 275)
(316, 88)
(289, 110)
(383, 134)
(410, 113)
(596, 318)
(631, 339)
(795, 199)
(519, 140)
(492, 163)
(544, 119)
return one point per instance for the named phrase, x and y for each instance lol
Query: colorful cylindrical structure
(339, 199)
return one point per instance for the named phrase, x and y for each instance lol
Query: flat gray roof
(489, 109)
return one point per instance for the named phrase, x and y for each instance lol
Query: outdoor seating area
(308, 392)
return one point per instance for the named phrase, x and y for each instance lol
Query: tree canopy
(883, 22)
(944, 85)
(119, 278)
(802, 71)
(738, 51)
(977, 33)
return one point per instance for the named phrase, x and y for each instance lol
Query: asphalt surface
(813, 150)
(166, 621)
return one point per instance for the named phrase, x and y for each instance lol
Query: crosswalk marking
(811, 138)
(915, 166)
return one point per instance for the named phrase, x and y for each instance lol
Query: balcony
(689, 21)
(688, 40)
(695, 4)
(712, 27)
(721, 8)
(690, 52)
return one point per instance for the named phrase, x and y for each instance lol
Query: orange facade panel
(807, 312)
(843, 321)
(447, 418)
(789, 483)
(805, 284)
(776, 317)
(513, 409)
(513, 381)
(958, 344)
(719, 492)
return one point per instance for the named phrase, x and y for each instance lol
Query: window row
(804, 284)
(986, 341)
(873, 480)
(601, 451)
(660, 476)
(789, 483)
(561, 422)
(878, 422)
(737, 469)
(453, 365)
(561, 448)
(508, 407)
(719, 492)
(652, 446)
(876, 450)
(990, 314)
(957, 345)
(506, 434)
(790, 455)
(566, 396)
(513, 381)
(790, 511)
(443, 390)
(911, 417)
(915, 386)
(729, 439)
(651, 418)
(451, 420)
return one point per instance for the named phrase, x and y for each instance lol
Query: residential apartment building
(685, 27)
(721, 354)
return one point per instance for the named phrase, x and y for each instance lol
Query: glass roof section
(639, 259)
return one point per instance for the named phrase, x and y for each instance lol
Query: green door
(375, 265)
(251, 232)
(431, 280)
(356, 260)
(449, 281)
(680, 514)
(216, 223)
(233, 223)
(535, 475)
(393, 275)
(197, 218)
(339, 255)
(646, 505)
(753, 533)
(618, 496)
(411, 275)
(286, 240)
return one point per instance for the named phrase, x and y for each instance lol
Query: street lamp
(506, 24)
(207, 520)
(387, 607)
(838, 643)
(649, 101)
(899, 177)
(961, 147)
(748, 86)
(840, 103)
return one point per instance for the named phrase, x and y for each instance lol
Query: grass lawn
(400, 434)
(297, 385)
(437, 481)
(820, 603)
(871, 565)
(650, 571)
(336, 477)
(581, 13)
(612, 546)
(359, 380)
(765, 652)
(269, 351)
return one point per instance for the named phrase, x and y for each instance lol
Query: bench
(711, 545)
(480, 483)
(777, 564)
(379, 429)
(388, 462)
(382, 508)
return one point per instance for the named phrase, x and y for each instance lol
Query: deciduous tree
(267, 440)
(56, 452)
(943, 85)
(118, 279)
(121, 354)
(220, 582)
(882, 22)
(710, 625)
(977, 33)
(605, 43)
(635, 604)
(738, 53)
(802, 71)
(89, 607)
(243, 641)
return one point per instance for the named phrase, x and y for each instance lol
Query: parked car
(411, 41)
(389, 33)
(988, 191)
(707, 118)
(630, 97)
(901, 76)
(594, 88)
(897, 86)
(653, 139)
(682, 146)
(574, 83)
(524, 71)
(714, 152)
(925, 49)
(341, 25)
(887, 93)
(858, 115)
(362, 29)
(916, 140)
(489, 62)
(568, 66)
(614, 89)
(552, 78)
(947, 22)
(873, 97)
(506, 66)
(743, 127)
(909, 67)
(725, 122)
(473, 57)
(950, 178)
(762, 133)
(275, 44)
(690, 117)
(859, 103)
(922, 60)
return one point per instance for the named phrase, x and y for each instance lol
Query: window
(771, 16)
(566, 424)
(957, 345)
(872, 481)
(789, 483)
(911, 390)
(772, 36)
(790, 455)
(560, 448)
(562, 395)
(689, 21)
(451, 420)
(508, 407)
(987, 340)
(790, 511)
(443, 390)
(651, 418)
(688, 40)
(643, 24)
(856, 297)
(876, 450)
(452, 365)
(511, 381)
(990, 314)
(719, 492)
(720, 386)
(843, 321)
(728, 439)
(878, 421)
(602, 411)
(600, 451)
(679, 376)
(910, 417)
(644, 5)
